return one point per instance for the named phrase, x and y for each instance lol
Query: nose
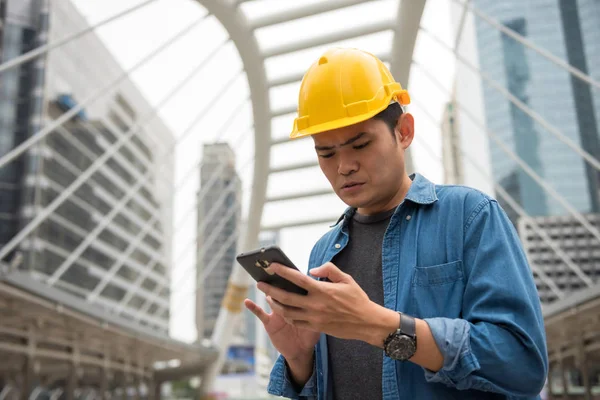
(347, 164)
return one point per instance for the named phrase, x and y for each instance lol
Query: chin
(353, 201)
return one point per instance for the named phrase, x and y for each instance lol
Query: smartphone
(257, 263)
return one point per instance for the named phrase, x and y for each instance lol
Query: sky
(221, 88)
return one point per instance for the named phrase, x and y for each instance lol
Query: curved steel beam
(303, 12)
(408, 21)
(234, 21)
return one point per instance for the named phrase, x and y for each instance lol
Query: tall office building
(219, 214)
(451, 147)
(569, 29)
(22, 25)
(125, 269)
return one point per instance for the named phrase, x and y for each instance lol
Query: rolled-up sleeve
(280, 383)
(499, 345)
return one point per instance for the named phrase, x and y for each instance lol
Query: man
(420, 291)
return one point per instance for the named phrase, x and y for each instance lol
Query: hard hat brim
(329, 126)
(341, 123)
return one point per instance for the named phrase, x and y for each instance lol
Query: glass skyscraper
(570, 30)
(20, 25)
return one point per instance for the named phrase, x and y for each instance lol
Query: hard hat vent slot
(358, 108)
(323, 60)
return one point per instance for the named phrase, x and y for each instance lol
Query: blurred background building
(451, 155)
(219, 219)
(112, 270)
(154, 155)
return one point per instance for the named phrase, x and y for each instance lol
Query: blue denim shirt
(450, 256)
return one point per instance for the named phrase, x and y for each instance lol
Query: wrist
(301, 359)
(300, 369)
(382, 322)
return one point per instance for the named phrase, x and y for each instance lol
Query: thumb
(330, 271)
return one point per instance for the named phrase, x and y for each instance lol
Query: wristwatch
(401, 344)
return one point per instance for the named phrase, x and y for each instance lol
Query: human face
(365, 165)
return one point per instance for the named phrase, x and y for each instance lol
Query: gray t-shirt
(356, 365)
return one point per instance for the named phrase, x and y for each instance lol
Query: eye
(362, 146)
(328, 155)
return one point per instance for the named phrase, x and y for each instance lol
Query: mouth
(350, 186)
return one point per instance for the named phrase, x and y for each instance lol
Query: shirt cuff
(452, 339)
(280, 383)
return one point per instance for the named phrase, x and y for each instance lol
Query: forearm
(428, 354)
(384, 321)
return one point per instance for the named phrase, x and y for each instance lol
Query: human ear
(406, 129)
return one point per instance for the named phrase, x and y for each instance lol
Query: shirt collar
(421, 191)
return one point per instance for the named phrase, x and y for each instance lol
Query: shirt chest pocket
(437, 290)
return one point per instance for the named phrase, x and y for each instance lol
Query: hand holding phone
(257, 263)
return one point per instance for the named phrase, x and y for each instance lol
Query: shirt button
(408, 217)
(337, 245)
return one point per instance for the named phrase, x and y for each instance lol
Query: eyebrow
(347, 142)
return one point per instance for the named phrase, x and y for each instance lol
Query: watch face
(401, 347)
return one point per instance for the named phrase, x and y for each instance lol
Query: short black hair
(390, 116)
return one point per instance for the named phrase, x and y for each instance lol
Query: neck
(390, 203)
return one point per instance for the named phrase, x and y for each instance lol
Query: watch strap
(407, 325)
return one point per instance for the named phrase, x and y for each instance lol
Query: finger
(270, 301)
(282, 296)
(256, 310)
(294, 276)
(288, 313)
(330, 271)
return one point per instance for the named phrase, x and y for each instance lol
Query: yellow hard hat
(344, 87)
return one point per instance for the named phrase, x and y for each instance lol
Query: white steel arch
(405, 36)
